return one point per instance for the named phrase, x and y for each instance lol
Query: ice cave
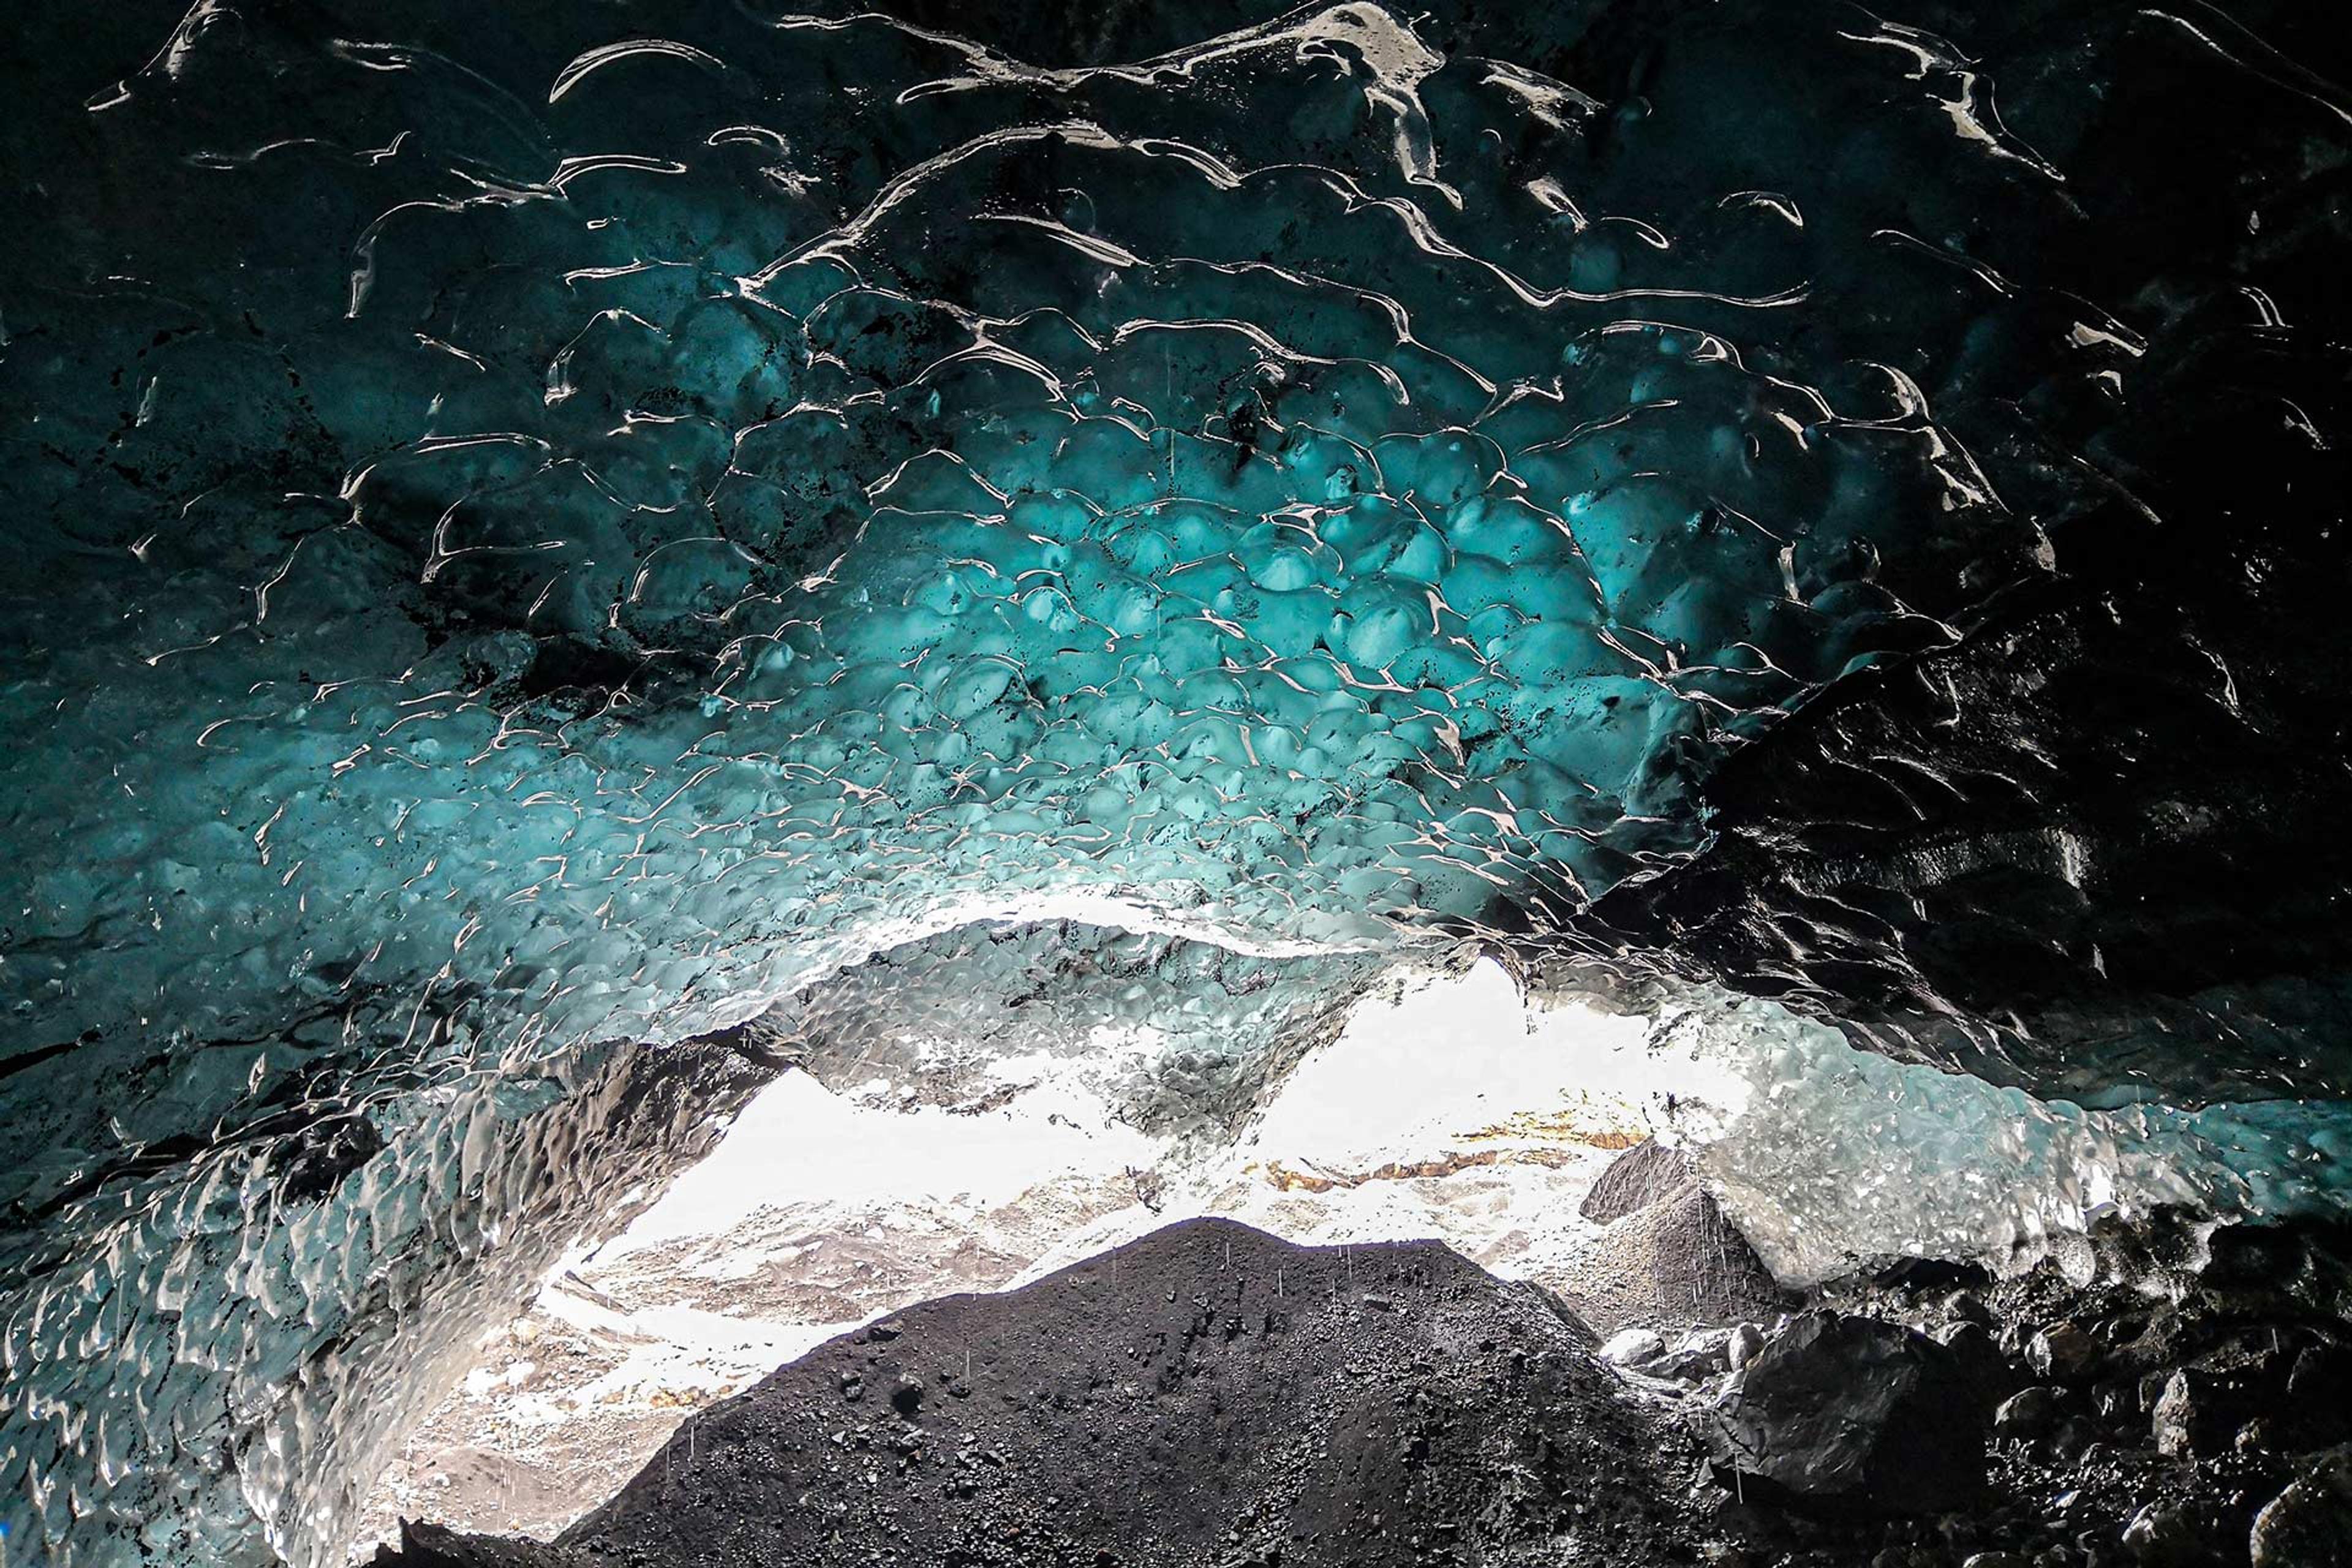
(1166, 783)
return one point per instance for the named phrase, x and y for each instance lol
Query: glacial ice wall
(532, 527)
(1831, 1158)
(1180, 1039)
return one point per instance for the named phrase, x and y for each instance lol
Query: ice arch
(534, 538)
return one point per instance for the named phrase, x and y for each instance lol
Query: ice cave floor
(1212, 1394)
(870, 1331)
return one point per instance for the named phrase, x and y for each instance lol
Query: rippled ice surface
(535, 527)
(675, 511)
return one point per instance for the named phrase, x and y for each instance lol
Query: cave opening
(851, 1187)
(835, 1200)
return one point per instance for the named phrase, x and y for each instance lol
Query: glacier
(556, 557)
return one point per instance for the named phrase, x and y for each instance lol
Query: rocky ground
(824, 1210)
(1211, 1396)
(2190, 1405)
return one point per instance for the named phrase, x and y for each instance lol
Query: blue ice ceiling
(536, 529)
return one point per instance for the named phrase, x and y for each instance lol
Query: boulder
(2318, 1407)
(2062, 1352)
(2321, 1374)
(2311, 1521)
(2200, 1411)
(1851, 1414)
(1633, 1347)
(1978, 1354)
(1967, 1307)
(2116, 1401)
(2263, 1434)
(2025, 1416)
(1693, 1358)
(2179, 1535)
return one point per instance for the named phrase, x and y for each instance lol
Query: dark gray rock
(1852, 1415)
(2317, 1411)
(2200, 1411)
(2062, 1352)
(2322, 1373)
(2309, 1523)
(2263, 1434)
(2117, 1401)
(1695, 1358)
(1646, 1173)
(1967, 1307)
(2073, 1438)
(1980, 1356)
(2180, 1535)
(2025, 1416)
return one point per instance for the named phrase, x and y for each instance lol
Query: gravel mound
(1206, 1395)
(1646, 1173)
(1668, 1257)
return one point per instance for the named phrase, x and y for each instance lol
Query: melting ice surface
(1829, 1157)
(540, 530)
